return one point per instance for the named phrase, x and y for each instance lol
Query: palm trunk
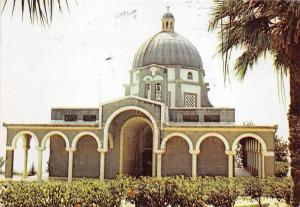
(294, 132)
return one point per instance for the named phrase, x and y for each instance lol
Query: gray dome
(167, 48)
(168, 15)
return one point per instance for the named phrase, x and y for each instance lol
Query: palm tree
(39, 10)
(258, 27)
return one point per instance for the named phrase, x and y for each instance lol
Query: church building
(165, 125)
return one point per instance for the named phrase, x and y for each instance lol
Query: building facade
(164, 125)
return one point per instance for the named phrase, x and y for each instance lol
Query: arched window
(148, 91)
(167, 25)
(190, 76)
(158, 91)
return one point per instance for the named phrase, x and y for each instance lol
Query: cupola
(168, 21)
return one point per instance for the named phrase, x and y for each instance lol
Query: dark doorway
(137, 148)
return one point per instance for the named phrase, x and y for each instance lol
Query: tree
(281, 150)
(2, 160)
(39, 10)
(32, 170)
(256, 28)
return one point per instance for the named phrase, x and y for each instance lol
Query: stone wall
(212, 160)
(176, 160)
(86, 161)
(58, 157)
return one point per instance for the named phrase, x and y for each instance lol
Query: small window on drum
(158, 91)
(70, 117)
(190, 76)
(211, 118)
(89, 117)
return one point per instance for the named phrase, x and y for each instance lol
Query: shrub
(281, 169)
(254, 188)
(185, 192)
(279, 188)
(148, 192)
(221, 191)
(120, 189)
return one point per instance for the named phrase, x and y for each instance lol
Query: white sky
(60, 66)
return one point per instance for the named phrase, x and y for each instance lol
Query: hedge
(145, 192)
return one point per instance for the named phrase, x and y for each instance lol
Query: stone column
(263, 165)
(259, 162)
(70, 165)
(230, 162)
(26, 146)
(153, 164)
(102, 162)
(9, 162)
(159, 154)
(256, 157)
(251, 157)
(25, 169)
(40, 160)
(248, 155)
(194, 154)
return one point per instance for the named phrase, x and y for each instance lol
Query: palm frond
(256, 27)
(40, 11)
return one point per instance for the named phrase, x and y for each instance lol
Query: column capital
(228, 152)
(194, 152)
(10, 148)
(161, 151)
(70, 149)
(268, 153)
(102, 150)
(40, 148)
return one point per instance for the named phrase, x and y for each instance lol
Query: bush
(184, 192)
(254, 188)
(279, 188)
(221, 191)
(148, 192)
(145, 191)
(281, 169)
(120, 189)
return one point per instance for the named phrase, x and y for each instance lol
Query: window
(211, 118)
(190, 100)
(89, 117)
(190, 76)
(70, 117)
(148, 91)
(158, 91)
(190, 118)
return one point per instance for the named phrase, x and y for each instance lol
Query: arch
(158, 78)
(176, 134)
(123, 127)
(148, 78)
(190, 76)
(79, 135)
(127, 108)
(249, 135)
(47, 136)
(19, 134)
(213, 134)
